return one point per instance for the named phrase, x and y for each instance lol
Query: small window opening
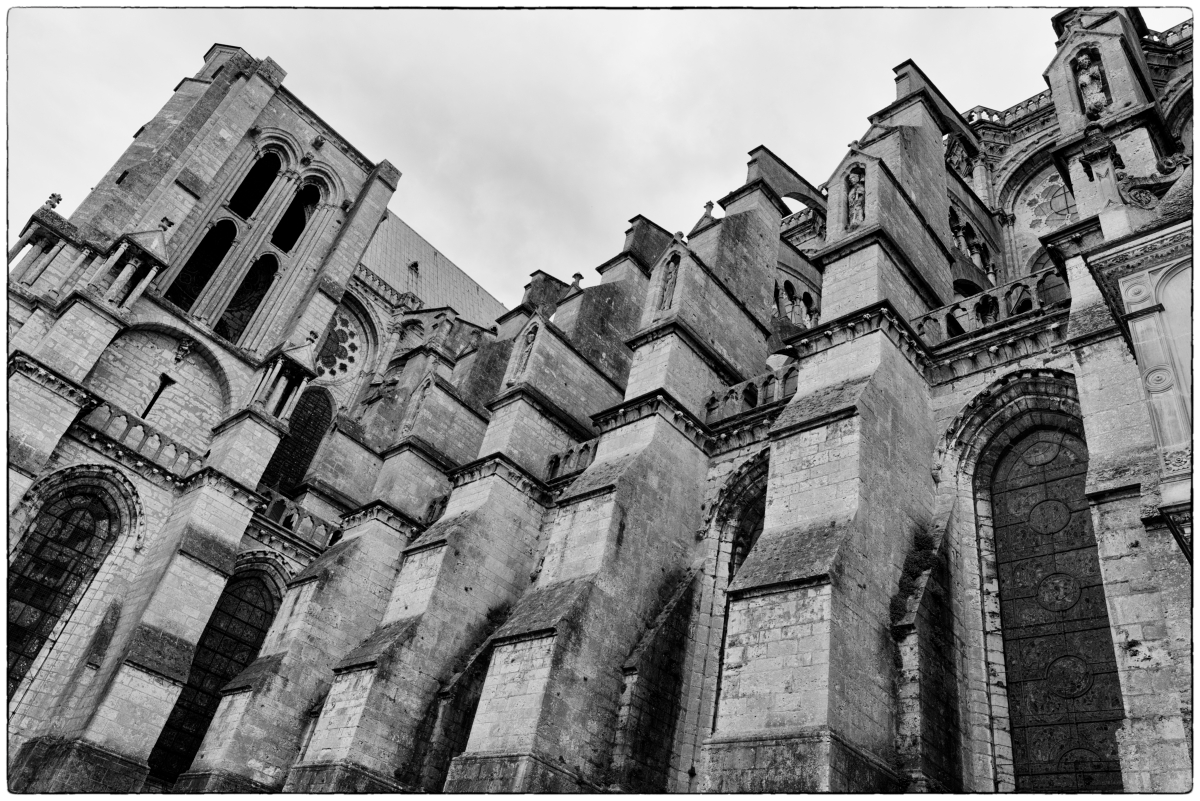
(296, 218)
(217, 72)
(137, 134)
(750, 396)
(254, 186)
(122, 177)
(164, 381)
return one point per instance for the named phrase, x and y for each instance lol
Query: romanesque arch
(166, 378)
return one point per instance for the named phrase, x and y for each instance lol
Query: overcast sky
(526, 139)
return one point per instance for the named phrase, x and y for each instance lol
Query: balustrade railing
(136, 434)
(762, 390)
(572, 460)
(1027, 107)
(288, 514)
(1038, 290)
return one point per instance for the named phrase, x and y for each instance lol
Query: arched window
(200, 267)
(69, 539)
(247, 298)
(749, 396)
(254, 186)
(230, 642)
(295, 453)
(288, 231)
(1061, 679)
(789, 307)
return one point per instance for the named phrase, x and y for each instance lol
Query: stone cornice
(21, 362)
(497, 464)
(880, 316)
(656, 402)
(211, 477)
(255, 413)
(715, 361)
(624, 254)
(544, 405)
(277, 538)
(422, 448)
(390, 296)
(746, 429)
(992, 348)
(385, 513)
(757, 185)
(125, 456)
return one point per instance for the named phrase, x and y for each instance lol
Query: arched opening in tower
(200, 267)
(296, 218)
(254, 186)
(247, 298)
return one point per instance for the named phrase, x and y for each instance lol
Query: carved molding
(394, 299)
(126, 457)
(23, 363)
(388, 515)
(497, 464)
(1178, 460)
(279, 540)
(211, 477)
(658, 402)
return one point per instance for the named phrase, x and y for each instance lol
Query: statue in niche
(668, 286)
(856, 197)
(415, 406)
(1093, 89)
(526, 349)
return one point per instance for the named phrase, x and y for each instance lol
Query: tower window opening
(200, 267)
(122, 177)
(248, 298)
(296, 218)
(254, 186)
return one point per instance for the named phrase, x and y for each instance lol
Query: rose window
(341, 350)
(1052, 205)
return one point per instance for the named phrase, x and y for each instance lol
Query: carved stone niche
(957, 157)
(856, 196)
(1091, 82)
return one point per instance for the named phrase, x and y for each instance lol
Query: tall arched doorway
(1064, 699)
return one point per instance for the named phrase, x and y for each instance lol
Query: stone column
(103, 267)
(140, 288)
(35, 272)
(32, 256)
(73, 273)
(22, 242)
(124, 278)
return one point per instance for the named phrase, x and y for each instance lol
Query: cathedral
(891, 493)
